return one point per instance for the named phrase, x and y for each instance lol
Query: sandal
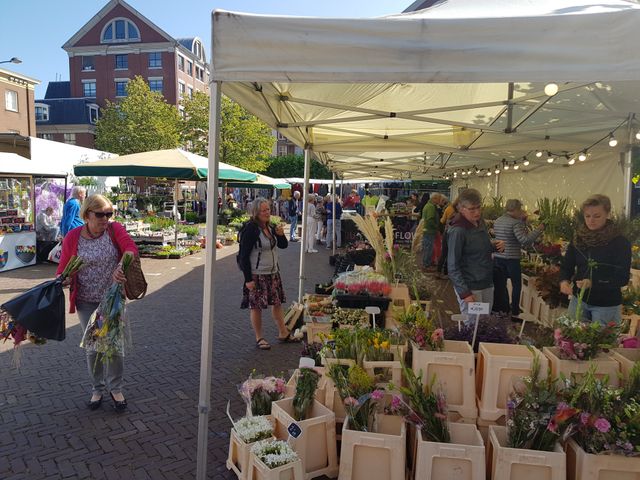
(262, 344)
(289, 339)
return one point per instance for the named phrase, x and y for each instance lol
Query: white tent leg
(204, 401)
(496, 186)
(627, 163)
(333, 214)
(305, 234)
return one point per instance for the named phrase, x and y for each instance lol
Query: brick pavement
(46, 432)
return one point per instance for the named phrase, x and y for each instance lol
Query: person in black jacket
(294, 210)
(599, 260)
(258, 260)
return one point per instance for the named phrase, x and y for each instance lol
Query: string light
(583, 156)
(488, 173)
(477, 170)
(612, 140)
(515, 165)
(505, 164)
(539, 154)
(525, 161)
(550, 158)
(550, 89)
(497, 170)
(572, 161)
(469, 171)
(638, 135)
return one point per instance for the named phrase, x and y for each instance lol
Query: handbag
(136, 285)
(55, 253)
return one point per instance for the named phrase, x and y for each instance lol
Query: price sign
(294, 430)
(478, 308)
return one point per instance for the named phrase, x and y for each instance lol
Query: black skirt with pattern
(268, 291)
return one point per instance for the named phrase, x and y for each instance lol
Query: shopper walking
(293, 215)
(101, 245)
(431, 221)
(338, 222)
(310, 224)
(512, 230)
(258, 259)
(469, 259)
(446, 217)
(71, 211)
(599, 260)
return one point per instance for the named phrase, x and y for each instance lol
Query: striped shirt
(513, 232)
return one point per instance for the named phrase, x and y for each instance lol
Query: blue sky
(38, 28)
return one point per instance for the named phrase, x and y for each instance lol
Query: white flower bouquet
(252, 429)
(274, 453)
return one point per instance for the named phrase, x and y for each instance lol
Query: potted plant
(383, 357)
(274, 460)
(537, 420)
(244, 434)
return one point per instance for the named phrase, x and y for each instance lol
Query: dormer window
(42, 112)
(120, 30)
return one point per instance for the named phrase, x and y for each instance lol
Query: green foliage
(289, 166)
(140, 122)
(194, 126)
(305, 392)
(158, 223)
(88, 181)
(556, 216)
(494, 208)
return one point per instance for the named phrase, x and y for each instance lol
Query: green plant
(556, 216)
(190, 230)
(419, 327)
(305, 393)
(494, 208)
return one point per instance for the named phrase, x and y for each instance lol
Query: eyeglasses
(103, 214)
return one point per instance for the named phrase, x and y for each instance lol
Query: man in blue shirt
(71, 211)
(329, 208)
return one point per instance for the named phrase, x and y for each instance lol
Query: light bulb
(551, 89)
(539, 153)
(583, 156)
(505, 166)
(497, 170)
(526, 162)
(488, 173)
(638, 135)
(612, 141)
(464, 173)
(572, 161)
(550, 158)
(469, 172)
(516, 166)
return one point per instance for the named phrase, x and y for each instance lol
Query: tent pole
(496, 186)
(333, 214)
(627, 162)
(305, 234)
(204, 399)
(175, 212)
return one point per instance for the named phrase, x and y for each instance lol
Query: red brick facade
(17, 112)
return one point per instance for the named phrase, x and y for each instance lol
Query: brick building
(116, 45)
(17, 92)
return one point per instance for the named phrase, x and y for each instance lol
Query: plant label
(294, 430)
(478, 308)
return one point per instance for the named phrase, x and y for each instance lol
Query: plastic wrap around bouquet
(107, 332)
(37, 314)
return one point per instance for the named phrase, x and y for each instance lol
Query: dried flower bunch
(253, 429)
(274, 453)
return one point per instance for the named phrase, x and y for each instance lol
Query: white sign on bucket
(478, 308)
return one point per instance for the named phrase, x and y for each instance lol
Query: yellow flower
(385, 344)
(635, 248)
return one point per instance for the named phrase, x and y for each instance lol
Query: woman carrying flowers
(598, 260)
(101, 245)
(258, 260)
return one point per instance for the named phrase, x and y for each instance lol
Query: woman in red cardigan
(101, 245)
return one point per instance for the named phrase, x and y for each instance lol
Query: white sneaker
(313, 251)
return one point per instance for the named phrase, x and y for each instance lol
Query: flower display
(253, 429)
(631, 300)
(259, 393)
(418, 327)
(577, 340)
(305, 392)
(274, 453)
(363, 283)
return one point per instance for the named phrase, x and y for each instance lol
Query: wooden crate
(238, 459)
(499, 366)
(321, 389)
(314, 329)
(586, 466)
(259, 471)
(376, 455)
(626, 357)
(454, 368)
(504, 463)
(575, 369)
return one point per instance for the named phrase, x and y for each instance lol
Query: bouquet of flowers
(537, 418)
(608, 418)
(363, 283)
(359, 394)
(274, 453)
(380, 345)
(259, 393)
(107, 331)
(418, 327)
(253, 429)
(346, 343)
(426, 407)
(305, 392)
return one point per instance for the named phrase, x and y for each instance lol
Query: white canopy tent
(421, 95)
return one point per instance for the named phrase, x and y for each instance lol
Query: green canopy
(174, 163)
(262, 181)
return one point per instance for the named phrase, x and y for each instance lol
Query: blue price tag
(294, 430)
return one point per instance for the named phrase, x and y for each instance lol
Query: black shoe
(118, 406)
(94, 404)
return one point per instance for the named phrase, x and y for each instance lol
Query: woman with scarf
(598, 260)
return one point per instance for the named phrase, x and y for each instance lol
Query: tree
(140, 122)
(245, 140)
(194, 128)
(289, 166)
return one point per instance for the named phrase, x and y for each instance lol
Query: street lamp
(13, 60)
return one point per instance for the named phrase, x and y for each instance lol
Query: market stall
(20, 179)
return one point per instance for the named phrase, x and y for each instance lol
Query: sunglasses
(103, 214)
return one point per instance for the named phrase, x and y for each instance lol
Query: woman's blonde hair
(597, 200)
(92, 203)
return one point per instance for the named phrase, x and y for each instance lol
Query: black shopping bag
(40, 310)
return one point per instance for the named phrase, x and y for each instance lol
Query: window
(11, 100)
(70, 138)
(45, 136)
(120, 30)
(93, 113)
(87, 63)
(282, 150)
(190, 92)
(121, 88)
(42, 112)
(89, 88)
(190, 67)
(155, 60)
(200, 73)
(122, 61)
(181, 89)
(198, 50)
(180, 63)
(155, 85)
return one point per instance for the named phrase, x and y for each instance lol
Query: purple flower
(602, 424)
(584, 418)
(396, 402)
(377, 394)
(511, 404)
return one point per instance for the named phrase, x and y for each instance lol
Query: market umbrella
(174, 163)
(262, 181)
